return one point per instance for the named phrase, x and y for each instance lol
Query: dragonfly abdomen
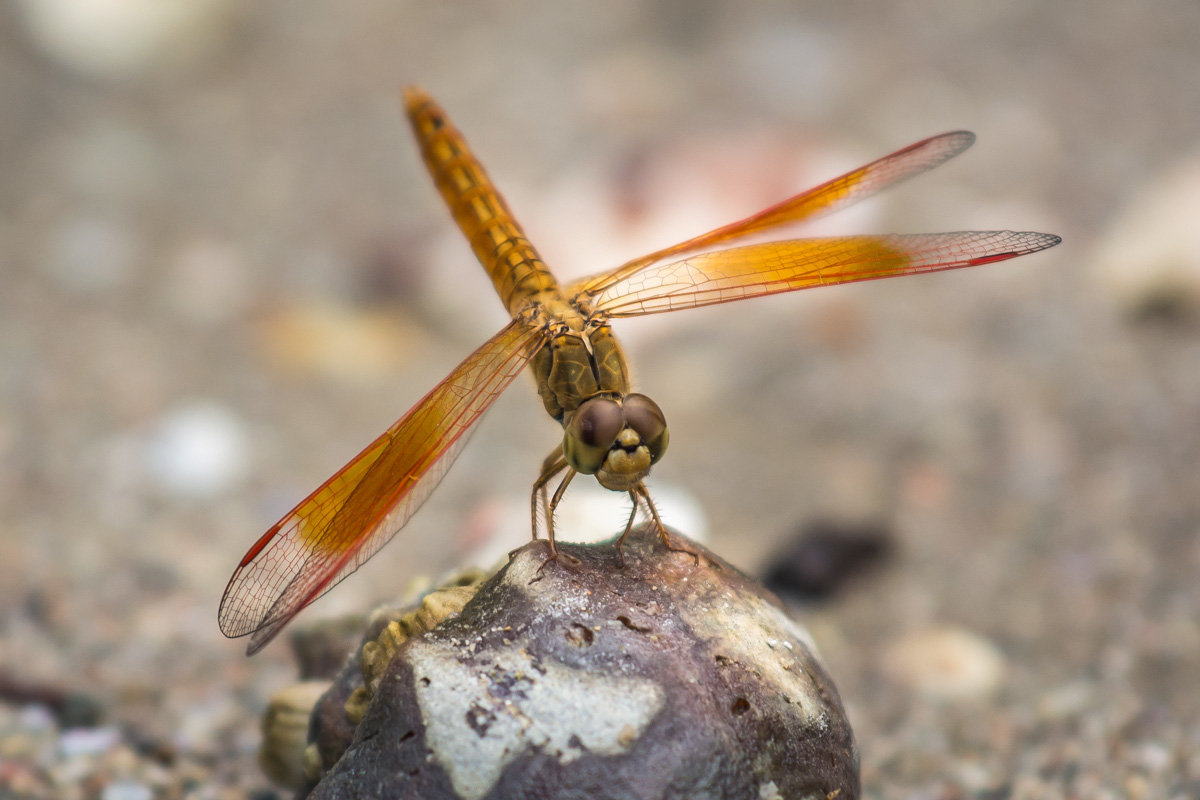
(516, 269)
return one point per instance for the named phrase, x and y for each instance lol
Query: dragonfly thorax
(581, 359)
(617, 438)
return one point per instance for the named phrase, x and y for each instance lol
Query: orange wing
(353, 514)
(772, 267)
(830, 196)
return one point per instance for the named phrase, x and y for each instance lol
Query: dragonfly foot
(668, 542)
(557, 555)
(620, 552)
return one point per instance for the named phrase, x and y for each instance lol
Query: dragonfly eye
(647, 420)
(591, 432)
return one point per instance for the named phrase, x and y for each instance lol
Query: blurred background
(223, 270)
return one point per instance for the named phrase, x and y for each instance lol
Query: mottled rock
(670, 675)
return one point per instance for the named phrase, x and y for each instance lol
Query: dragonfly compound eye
(591, 432)
(647, 420)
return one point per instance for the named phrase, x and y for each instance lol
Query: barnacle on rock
(285, 732)
(287, 755)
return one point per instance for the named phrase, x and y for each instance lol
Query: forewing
(344, 522)
(831, 196)
(773, 267)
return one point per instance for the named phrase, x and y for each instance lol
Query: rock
(126, 790)
(285, 732)
(76, 742)
(824, 556)
(338, 341)
(1148, 264)
(197, 450)
(117, 39)
(670, 675)
(945, 663)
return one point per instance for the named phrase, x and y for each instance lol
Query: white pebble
(198, 450)
(126, 790)
(945, 663)
(88, 741)
(119, 38)
(1151, 253)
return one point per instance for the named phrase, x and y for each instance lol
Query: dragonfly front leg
(642, 494)
(554, 464)
(628, 527)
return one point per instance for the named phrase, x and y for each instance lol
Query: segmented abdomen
(516, 269)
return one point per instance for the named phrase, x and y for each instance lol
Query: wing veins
(314, 561)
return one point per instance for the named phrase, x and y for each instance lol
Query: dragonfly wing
(830, 196)
(773, 267)
(353, 514)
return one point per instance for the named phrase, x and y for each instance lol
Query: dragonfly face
(563, 334)
(617, 439)
(583, 381)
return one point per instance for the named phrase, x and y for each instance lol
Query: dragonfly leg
(640, 492)
(553, 504)
(628, 526)
(554, 464)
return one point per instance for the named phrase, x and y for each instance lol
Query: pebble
(126, 790)
(116, 39)
(207, 281)
(945, 663)
(339, 342)
(197, 450)
(92, 253)
(1149, 262)
(76, 742)
(1067, 700)
(36, 718)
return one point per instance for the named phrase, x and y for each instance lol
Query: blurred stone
(320, 647)
(197, 450)
(76, 742)
(824, 556)
(1148, 264)
(93, 253)
(113, 39)
(337, 341)
(1067, 700)
(669, 675)
(945, 663)
(285, 732)
(70, 709)
(126, 790)
(207, 281)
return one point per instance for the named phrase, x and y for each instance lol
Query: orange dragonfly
(565, 336)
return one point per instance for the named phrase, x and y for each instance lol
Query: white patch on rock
(482, 717)
(741, 629)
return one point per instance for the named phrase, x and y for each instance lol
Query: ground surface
(222, 271)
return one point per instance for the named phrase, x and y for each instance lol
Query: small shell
(285, 732)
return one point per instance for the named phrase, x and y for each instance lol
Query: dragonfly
(564, 334)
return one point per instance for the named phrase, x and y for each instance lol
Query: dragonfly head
(617, 439)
